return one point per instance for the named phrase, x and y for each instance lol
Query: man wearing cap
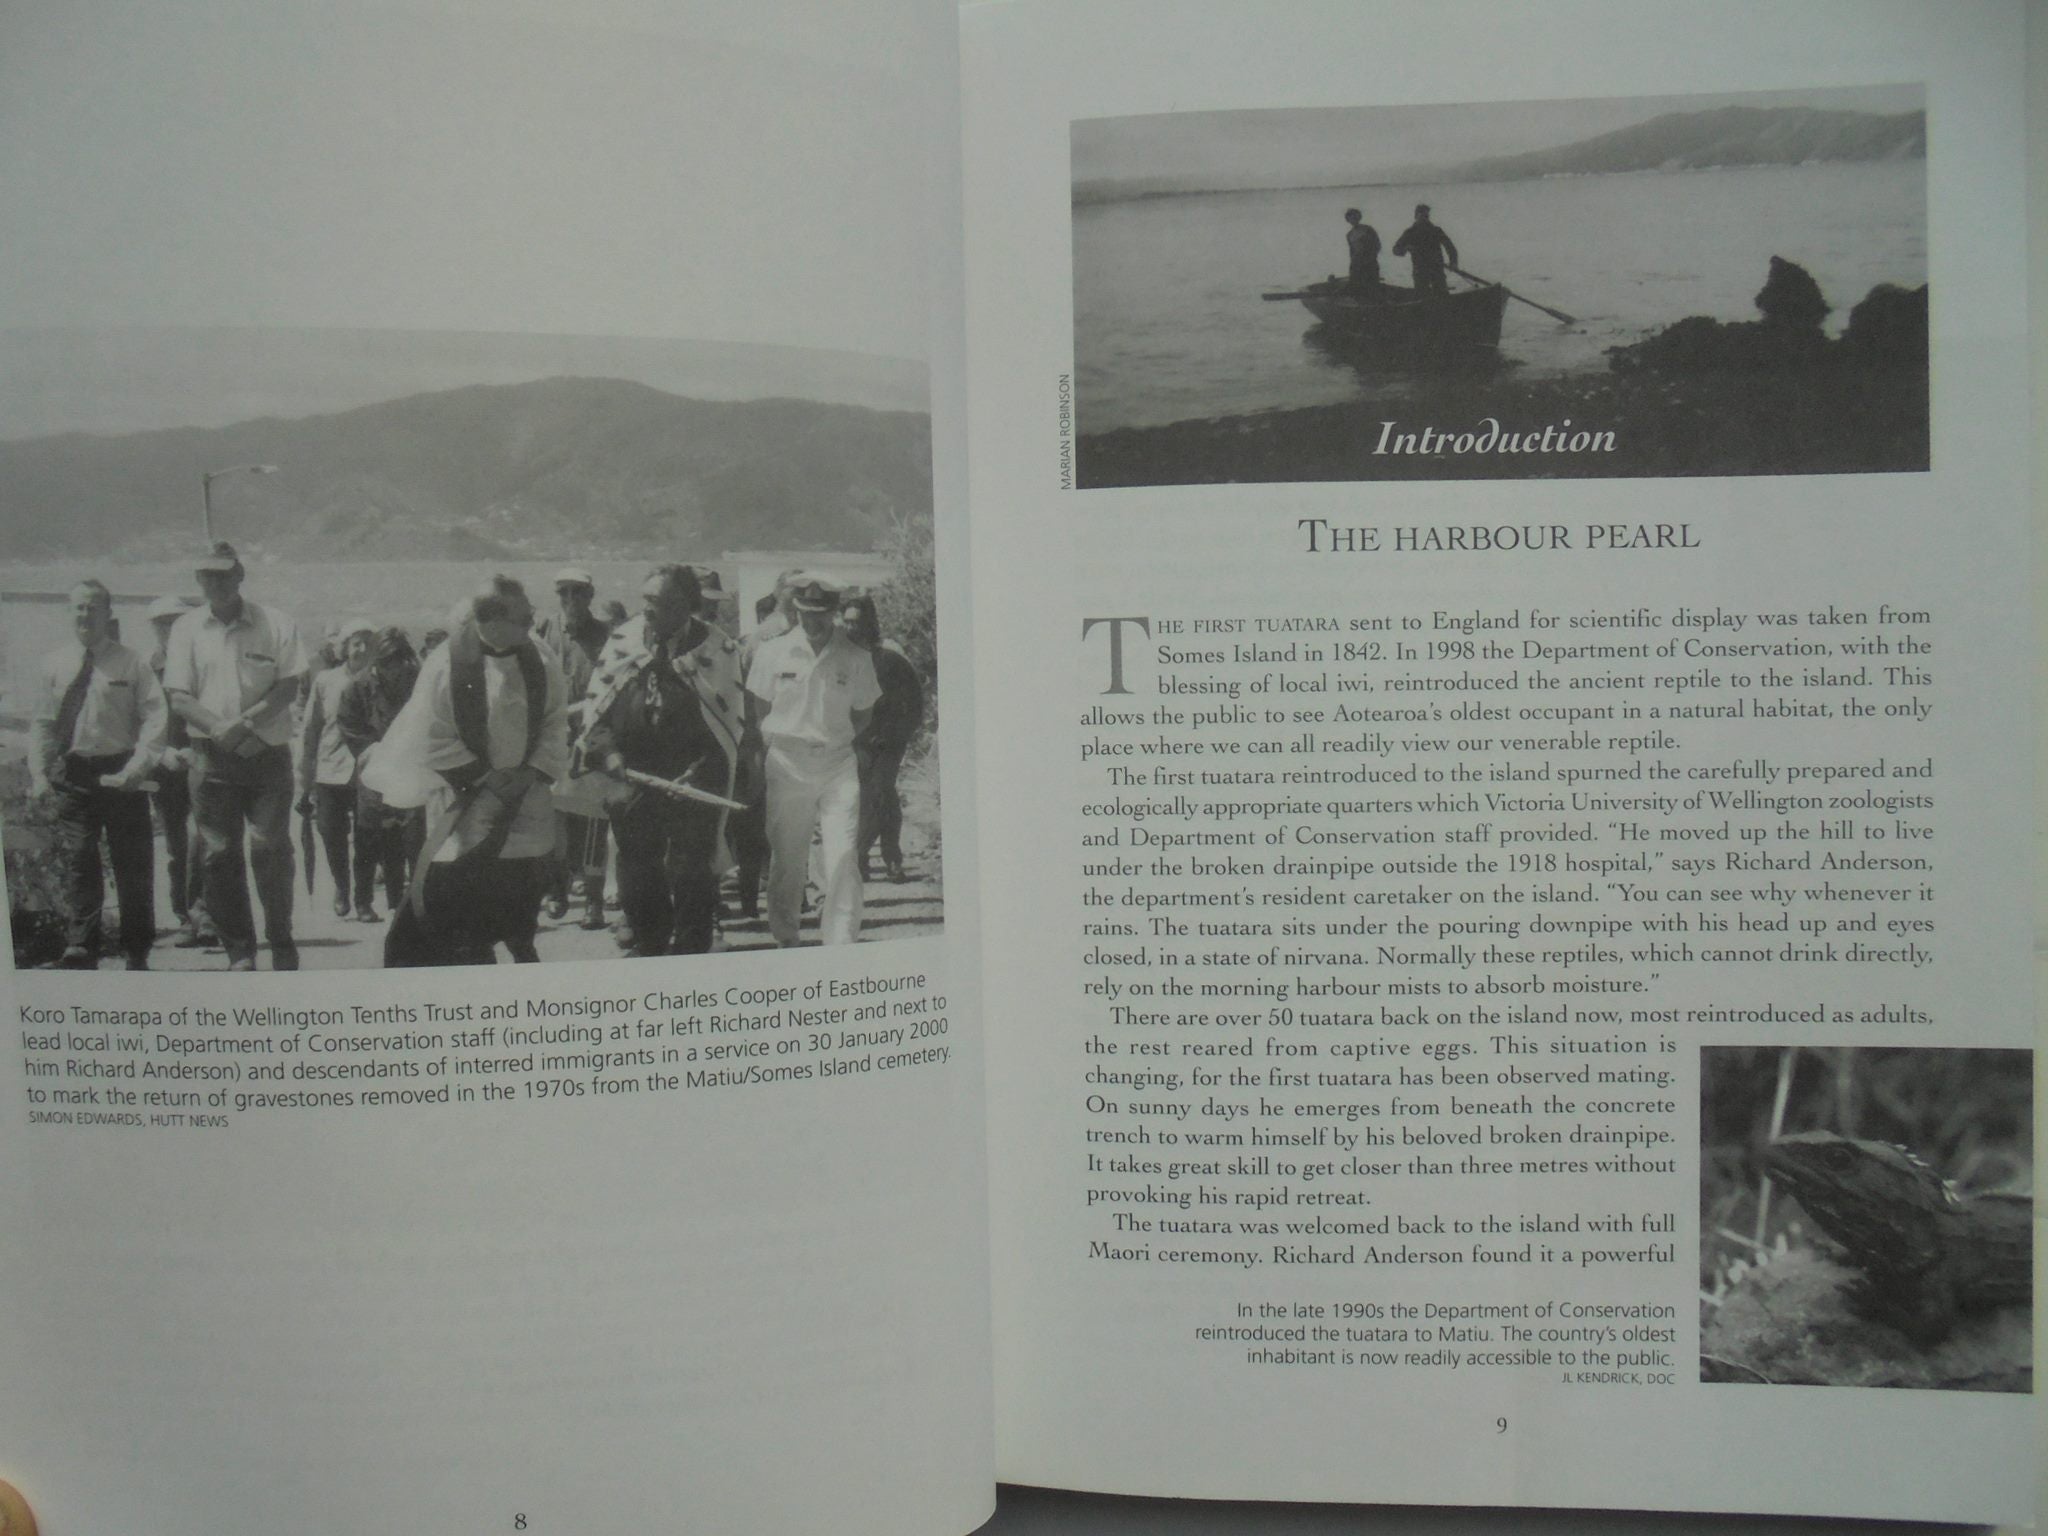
(96, 729)
(173, 798)
(327, 771)
(809, 694)
(665, 703)
(577, 636)
(231, 669)
(711, 597)
(1429, 251)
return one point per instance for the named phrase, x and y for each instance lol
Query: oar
(1555, 314)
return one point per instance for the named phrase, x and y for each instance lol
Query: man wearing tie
(98, 725)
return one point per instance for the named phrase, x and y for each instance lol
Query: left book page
(467, 494)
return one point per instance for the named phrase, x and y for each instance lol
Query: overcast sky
(746, 171)
(130, 380)
(1347, 145)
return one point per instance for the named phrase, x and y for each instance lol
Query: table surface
(1052, 1512)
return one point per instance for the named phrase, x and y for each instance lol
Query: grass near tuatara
(1917, 1285)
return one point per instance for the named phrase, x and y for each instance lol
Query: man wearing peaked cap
(574, 633)
(232, 669)
(810, 692)
(710, 594)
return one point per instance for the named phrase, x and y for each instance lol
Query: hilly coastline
(605, 468)
(1726, 136)
(1673, 141)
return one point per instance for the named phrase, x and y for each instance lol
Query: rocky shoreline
(1700, 397)
(1716, 423)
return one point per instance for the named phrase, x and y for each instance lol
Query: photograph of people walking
(457, 676)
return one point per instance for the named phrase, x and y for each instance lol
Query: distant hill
(587, 468)
(1726, 136)
(1676, 141)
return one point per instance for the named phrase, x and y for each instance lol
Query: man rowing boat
(1429, 251)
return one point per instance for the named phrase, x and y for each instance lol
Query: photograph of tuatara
(1867, 1218)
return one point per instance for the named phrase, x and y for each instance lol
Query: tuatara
(1927, 1253)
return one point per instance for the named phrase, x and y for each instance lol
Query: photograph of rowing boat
(1612, 287)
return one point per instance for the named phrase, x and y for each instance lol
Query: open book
(1465, 566)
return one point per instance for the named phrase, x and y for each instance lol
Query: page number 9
(1500, 1426)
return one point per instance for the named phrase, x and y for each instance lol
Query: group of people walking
(508, 765)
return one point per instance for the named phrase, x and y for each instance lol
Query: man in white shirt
(232, 669)
(98, 725)
(809, 693)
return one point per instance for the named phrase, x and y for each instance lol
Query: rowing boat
(1399, 322)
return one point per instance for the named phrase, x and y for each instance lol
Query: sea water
(1169, 325)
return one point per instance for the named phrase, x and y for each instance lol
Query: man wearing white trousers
(809, 693)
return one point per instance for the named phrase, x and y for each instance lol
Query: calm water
(1168, 323)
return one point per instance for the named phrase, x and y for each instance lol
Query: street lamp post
(206, 489)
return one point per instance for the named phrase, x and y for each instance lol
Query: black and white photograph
(441, 520)
(1866, 1217)
(1641, 287)
(333, 649)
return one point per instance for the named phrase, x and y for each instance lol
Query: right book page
(1501, 558)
